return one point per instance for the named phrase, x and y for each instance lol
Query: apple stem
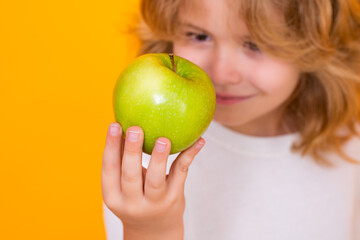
(171, 55)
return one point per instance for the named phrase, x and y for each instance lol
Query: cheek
(192, 54)
(275, 80)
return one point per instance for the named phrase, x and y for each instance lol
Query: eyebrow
(185, 24)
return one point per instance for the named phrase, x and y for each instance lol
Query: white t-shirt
(245, 187)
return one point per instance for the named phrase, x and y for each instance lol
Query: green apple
(167, 96)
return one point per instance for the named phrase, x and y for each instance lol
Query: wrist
(151, 233)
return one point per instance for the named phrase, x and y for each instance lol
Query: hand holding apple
(149, 202)
(167, 96)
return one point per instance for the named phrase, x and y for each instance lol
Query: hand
(148, 202)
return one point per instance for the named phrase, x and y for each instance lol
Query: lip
(225, 99)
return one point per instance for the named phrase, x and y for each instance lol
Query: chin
(228, 121)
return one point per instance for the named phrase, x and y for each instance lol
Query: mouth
(224, 99)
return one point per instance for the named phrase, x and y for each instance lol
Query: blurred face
(251, 86)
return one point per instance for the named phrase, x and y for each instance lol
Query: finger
(131, 169)
(180, 166)
(155, 180)
(110, 171)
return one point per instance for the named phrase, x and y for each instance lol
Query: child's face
(258, 84)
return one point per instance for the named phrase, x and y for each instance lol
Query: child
(281, 154)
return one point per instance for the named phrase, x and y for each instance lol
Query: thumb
(179, 168)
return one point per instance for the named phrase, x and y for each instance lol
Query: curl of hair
(321, 36)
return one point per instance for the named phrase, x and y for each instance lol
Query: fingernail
(160, 146)
(200, 144)
(114, 129)
(133, 136)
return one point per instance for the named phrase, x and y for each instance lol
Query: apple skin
(177, 105)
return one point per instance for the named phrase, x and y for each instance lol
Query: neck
(265, 126)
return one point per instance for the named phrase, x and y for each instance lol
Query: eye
(251, 46)
(201, 37)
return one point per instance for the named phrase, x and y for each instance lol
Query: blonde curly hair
(321, 36)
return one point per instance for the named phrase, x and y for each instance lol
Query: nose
(224, 66)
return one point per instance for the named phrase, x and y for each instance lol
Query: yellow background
(59, 61)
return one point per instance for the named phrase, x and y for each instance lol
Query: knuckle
(155, 184)
(109, 162)
(128, 176)
(185, 162)
(131, 151)
(158, 158)
(109, 146)
(183, 167)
